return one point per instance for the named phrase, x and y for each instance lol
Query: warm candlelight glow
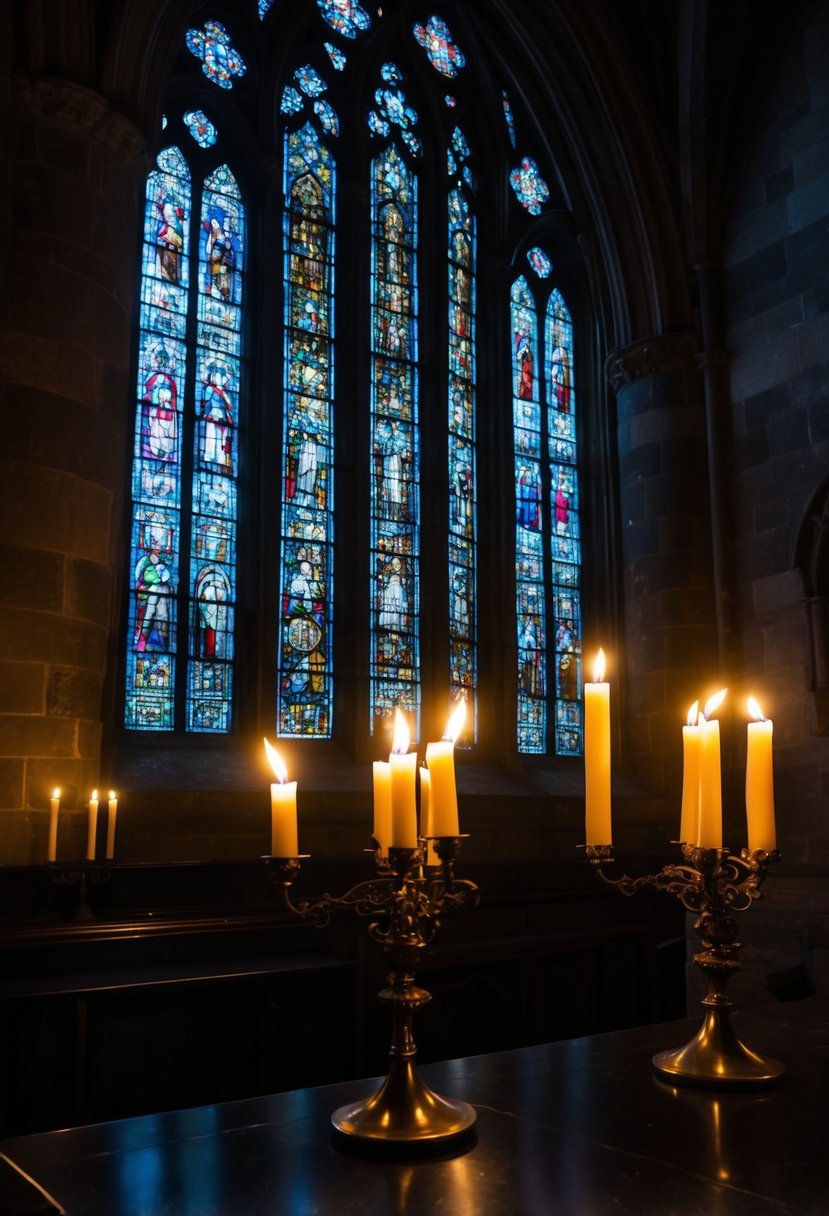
(456, 722)
(93, 826)
(598, 667)
(401, 738)
(111, 820)
(689, 818)
(442, 790)
(275, 761)
(762, 831)
(56, 793)
(693, 714)
(714, 703)
(709, 835)
(284, 842)
(52, 842)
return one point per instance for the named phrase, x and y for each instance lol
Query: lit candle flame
(755, 710)
(598, 667)
(714, 703)
(693, 714)
(56, 793)
(456, 720)
(400, 742)
(111, 795)
(275, 760)
(94, 796)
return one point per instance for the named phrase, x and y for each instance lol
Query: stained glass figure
(220, 61)
(310, 81)
(450, 101)
(529, 523)
(530, 188)
(201, 128)
(347, 17)
(462, 458)
(305, 673)
(155, 537)
(327, 116)
(508, 116)
(540, 263)
(565, 532)
(292, 101)
(444, 53)
(336, 56)
(395, 443)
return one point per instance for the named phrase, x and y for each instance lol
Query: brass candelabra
(404, 903)
(714, 883)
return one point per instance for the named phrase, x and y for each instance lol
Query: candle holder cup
(714, 883)
(404, 906)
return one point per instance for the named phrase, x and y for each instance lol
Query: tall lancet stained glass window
(395, 509)
(462, 463)
(305, 651)
(565, 543)
(179, 649)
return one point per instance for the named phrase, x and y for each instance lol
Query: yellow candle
(426, 824)
(762, 833)
(440, 757)
(113, 813)
(597, 756)
(709, 835)
(52, 846)
(689, 818)
(283, 809)
(382, 806)
(93, 826)
(403, 774)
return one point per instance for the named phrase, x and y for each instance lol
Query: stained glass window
(185, 533)
(462, 460)
(347, 17)
(395, 452)
(565, 532)
(264, 8)
(220, 61)
(201, 128)
(304, 703)
(292, 101)
(336, 56)
(327, 116)
(155, 539)
(311, 83)
(444, 53)
(530, 188)
(540, 263)
(529, 522)
(509, 119)
(393, 109)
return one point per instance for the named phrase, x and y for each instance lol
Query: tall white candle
(426, 821)
(403, 774)
(284, 841)
(597, 757)
(709, 835)
(93, 826)
(52, 845)
(689, 817)
(382, 805)
(111, 819)
(440, 758)
(762, 832)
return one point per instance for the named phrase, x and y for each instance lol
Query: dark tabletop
(576, 1128)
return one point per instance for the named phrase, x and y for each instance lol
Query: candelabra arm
(367, 898)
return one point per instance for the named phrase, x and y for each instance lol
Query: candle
(283, 808)
(113, 812)
(709, 833)
(597, 756)
(760, 782)
(382, 806)
(689, 818)
(52, 846)
(440, 758)
(403, 773)
(93, 826)
(426, 823)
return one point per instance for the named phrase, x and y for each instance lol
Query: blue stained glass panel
(462, 456)
(292, 100)
(220, 60)
(305, 674)
(450, 101)
(336, 56)
(264, 8)
(530, 188)
(529, 524)
(310, 81)
(509, 119)
(155, 536)
(201, 128)
(395, 444)
(540, 263)
(327, 115)
(347, 17)
(444, 53)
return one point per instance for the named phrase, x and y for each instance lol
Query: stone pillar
(669, 627)
(69, 250)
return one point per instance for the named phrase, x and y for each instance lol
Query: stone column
(69, 248)
(669, 627)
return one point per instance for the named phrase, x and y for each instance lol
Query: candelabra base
(404, 1111)
(716, 1058)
